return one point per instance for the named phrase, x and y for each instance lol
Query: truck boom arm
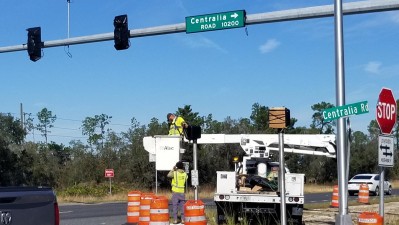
(259, 145)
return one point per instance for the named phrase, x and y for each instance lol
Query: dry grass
(320, 188)
(205, 192)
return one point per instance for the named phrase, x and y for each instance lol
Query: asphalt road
(115, 213)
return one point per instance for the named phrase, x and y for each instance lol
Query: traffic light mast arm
(269, 17)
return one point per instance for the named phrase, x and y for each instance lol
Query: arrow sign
(215, 21)
(387, 154)
(386, 151)
(235, 15)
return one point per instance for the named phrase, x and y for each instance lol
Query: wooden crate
(279, 117)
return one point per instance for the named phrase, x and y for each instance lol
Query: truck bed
(258, 197)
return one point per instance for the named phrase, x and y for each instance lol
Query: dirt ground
(327, 216)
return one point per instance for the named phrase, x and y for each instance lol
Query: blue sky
(222, 73)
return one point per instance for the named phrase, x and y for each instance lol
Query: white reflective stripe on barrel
(194, 218)
(155, 211)
(145, 207)
(191, 207)
(133, 203)
(133, 195)
(133, 213)
(146, 218)
(159, 223)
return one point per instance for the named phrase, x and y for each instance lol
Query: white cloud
(373, 67)
(269, 46)
(202, 42)
(394, 16)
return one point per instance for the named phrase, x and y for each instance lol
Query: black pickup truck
(28, 206)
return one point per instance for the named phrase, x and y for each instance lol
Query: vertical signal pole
(283, 214)
(193, 133)
(342, 218)
(195, 184)
(279, 118)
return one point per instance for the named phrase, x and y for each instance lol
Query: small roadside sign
(385, 151)
(109, 173)
(194, 177)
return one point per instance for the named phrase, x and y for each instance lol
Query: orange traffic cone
(363, 194)
(334, 199)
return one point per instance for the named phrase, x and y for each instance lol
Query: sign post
(386, 119)
(109, 173)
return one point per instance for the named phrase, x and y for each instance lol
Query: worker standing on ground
(179, 178)
(176, 124)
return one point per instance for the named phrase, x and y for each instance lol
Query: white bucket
(262, 169)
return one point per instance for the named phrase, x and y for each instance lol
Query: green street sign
(345, 110)
(216, 21)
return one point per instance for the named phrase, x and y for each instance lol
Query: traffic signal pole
(343, 218)
(270, 17)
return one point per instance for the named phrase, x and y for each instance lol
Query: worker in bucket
(176, 124)
(179, 178)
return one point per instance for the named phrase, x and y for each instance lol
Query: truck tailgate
(28, 205)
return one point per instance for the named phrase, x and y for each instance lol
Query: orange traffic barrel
(145, 203)
(133, 207)
(159, 212)
(194, 212)
(363, 196)
(335, 198)
(368, 218)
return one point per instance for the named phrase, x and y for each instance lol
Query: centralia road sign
(345, 110)
(216, 21)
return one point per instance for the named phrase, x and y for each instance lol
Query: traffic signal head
(192, 132)
(34, 43)
(121, 33)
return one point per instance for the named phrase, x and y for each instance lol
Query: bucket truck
(251, 192)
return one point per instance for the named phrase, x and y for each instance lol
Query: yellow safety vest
(176, 127)
(179, 181)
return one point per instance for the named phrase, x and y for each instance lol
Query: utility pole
(22, 115)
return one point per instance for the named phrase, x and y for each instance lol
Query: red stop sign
(386, 111)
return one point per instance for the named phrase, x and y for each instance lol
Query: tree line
(59, 166)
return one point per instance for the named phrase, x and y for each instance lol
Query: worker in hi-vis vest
(179, 178)
(176, 124)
